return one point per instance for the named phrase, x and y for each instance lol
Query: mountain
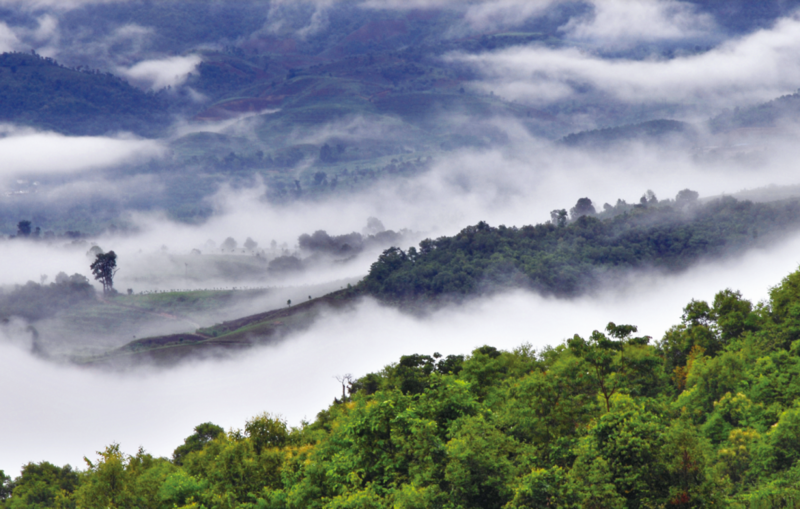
(38, 92)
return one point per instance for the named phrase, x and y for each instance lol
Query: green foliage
(41, 485)
(203, 434)
(568, 259)
(6, 486)
(550, 487)
(118, 480)
(611, 421)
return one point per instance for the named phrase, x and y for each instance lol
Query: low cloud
(299, 19)
(503, 13)
(79, 411)
(25, 152)
(622, 23)
(8, 39)
(158, 74)
(47, 29)
(122, 47)
(758, 67)
(477, 15)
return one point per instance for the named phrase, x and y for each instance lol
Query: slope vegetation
(706, 417)
(39, 92)
(568, 258)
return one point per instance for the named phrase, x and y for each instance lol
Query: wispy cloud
(480, 15)
(299, 19)
(500, 14)
(8, 39)
(158, 74)
(622, 23)
(758, 67)
(26, 152)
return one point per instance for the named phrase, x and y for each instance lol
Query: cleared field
(220, 339)
(95, 327)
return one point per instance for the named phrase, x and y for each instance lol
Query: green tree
(104, 267)
(266, 430)
(120, 481)
(203, 434)
(480, 467)
(24, 228)
(558, 218)
(630, 440)
(609, 366)
(547, 488)
(583, 207)
(41, 485)
(6, 486)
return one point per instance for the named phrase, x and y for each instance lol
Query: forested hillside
(705, 417)
(575, 254)
(39, 92)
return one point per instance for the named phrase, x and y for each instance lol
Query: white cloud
(26, 152)
(283, 17)
(47, 29)
(503, 13)
(611, 23)
(615, 22)
(8, 39)
(478, 15)
(758, 67)
(132, 31)
(158, 74)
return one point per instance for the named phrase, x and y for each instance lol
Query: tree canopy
(707, 416)
(568, 258)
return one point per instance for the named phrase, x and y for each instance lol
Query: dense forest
(705, 417)
(576, 253)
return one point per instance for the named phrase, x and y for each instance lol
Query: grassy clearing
(260, 328)
(184, 303)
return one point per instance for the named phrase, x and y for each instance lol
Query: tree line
(706, 417)
(577, 252)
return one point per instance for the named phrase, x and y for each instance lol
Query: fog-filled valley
(212, 210)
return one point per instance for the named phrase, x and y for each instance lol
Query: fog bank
(79, 411)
